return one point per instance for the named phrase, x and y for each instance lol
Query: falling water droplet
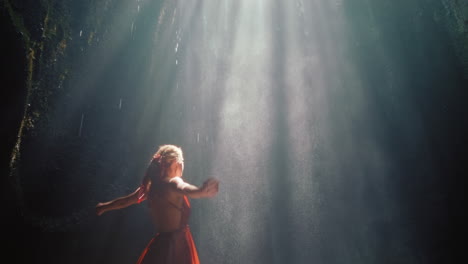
(176, 47)
(120, 104)
(81, 125)
(81, 32)
(198, 137)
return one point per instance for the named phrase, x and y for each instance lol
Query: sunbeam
(335, 128)
(253, 87)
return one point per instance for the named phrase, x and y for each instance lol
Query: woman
(167, 194)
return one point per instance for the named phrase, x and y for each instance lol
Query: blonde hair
(166, 154)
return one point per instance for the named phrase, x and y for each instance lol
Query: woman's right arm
(209, 188)
(137, 196)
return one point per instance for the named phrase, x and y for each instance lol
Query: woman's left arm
(207, 190)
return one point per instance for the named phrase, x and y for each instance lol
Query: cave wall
(43, 45)
(454, 17)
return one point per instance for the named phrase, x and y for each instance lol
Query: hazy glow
(251, 92)
(267, 97)
(323, 119)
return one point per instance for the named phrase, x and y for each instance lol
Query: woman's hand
(210, 187)
(100, 209)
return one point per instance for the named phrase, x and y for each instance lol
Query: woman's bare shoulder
(176, 180)
(171, 184)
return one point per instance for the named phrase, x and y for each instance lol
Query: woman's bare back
(167, 207)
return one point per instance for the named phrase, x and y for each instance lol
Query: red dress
(176, 247)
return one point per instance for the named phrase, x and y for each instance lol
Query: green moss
(18, 23)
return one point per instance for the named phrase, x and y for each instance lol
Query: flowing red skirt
(171, 248)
